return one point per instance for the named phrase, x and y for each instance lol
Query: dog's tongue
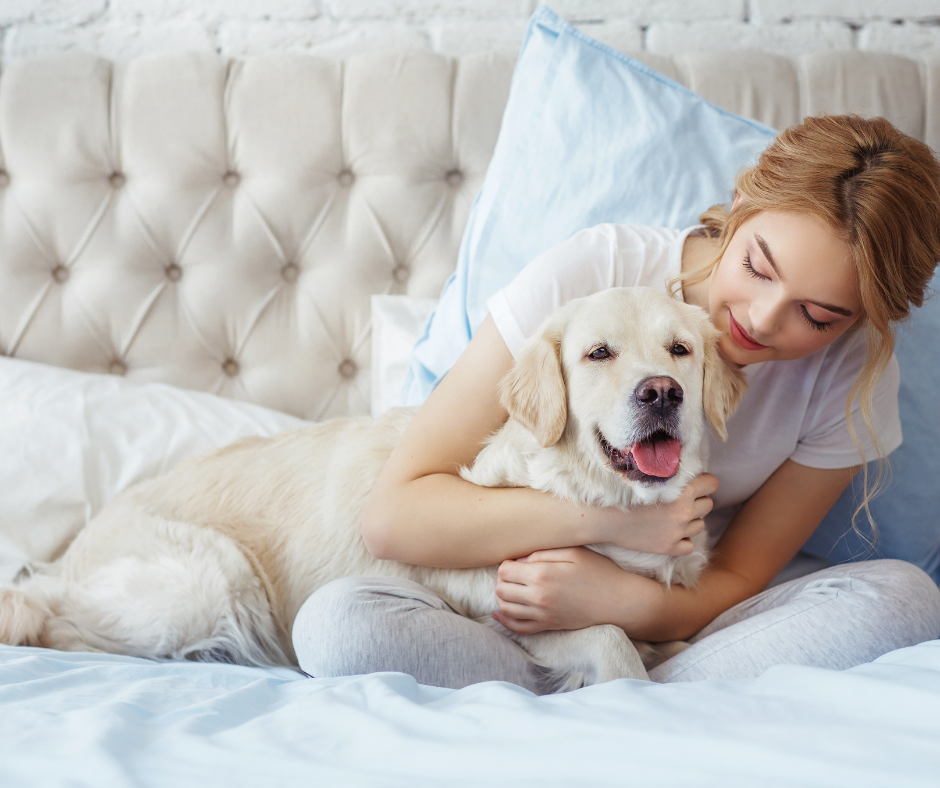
(657, 458)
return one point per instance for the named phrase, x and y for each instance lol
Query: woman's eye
(601, 352)
(679, 350)
(816, 325)
(751, 271)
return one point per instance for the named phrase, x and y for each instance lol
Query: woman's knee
(344, 624)
(905, 595)
(911, 585)
(326, 609)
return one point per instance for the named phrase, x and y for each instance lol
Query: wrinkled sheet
(101, 720)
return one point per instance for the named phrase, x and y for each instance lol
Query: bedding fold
(104, 720)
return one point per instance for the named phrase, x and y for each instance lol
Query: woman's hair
(879, 190)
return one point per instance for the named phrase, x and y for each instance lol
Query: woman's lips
(738, 335)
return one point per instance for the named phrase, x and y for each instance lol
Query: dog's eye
(679, 350)
(601, 352)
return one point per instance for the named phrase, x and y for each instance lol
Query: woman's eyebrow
(770, 259)
(837, 309)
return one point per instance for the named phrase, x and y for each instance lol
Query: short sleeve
(584, 264)
(825, 441)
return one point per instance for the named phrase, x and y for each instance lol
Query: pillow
(397, 323)
(589, 135)
(908, 512)
(72, 441)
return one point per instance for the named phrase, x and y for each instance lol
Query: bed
(193, 248)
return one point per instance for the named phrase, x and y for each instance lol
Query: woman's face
(784, 288)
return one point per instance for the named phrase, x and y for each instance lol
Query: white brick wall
(213, 9)
(424, 9)
(907, 38)
(72, 12)
(789, 39)
(123, 29)
(853, 10)
(644, 12)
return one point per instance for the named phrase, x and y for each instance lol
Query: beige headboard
(220, 224)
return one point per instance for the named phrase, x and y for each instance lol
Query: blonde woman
(832, 238)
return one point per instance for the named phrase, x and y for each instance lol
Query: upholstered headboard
(221, 224)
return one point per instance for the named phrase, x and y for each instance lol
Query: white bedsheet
(103, 721)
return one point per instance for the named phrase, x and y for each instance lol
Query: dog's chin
(623, 463)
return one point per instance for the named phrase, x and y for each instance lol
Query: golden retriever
(607, 406)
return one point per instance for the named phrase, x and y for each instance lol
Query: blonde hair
(879, 190)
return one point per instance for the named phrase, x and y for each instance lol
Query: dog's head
(626, 376)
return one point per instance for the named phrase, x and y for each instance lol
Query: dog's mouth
(653, 459)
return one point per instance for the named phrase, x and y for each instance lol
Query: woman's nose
(765, 315)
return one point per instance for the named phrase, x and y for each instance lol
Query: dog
(607, 405)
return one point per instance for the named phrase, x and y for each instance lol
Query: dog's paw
(655, 654)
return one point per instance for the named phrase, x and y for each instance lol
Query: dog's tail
(23, 617)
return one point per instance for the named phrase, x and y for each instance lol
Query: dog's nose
(662, 394)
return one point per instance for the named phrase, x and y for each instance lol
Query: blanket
(100, 720)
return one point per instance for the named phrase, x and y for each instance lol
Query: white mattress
(83, 719)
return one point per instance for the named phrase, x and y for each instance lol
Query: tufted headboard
(221, 224)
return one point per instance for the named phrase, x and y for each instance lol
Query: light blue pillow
(589, 136)
(908, 512)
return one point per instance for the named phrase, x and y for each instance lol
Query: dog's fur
(213, 560)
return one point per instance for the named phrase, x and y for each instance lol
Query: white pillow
(397, 323)
(71, 441)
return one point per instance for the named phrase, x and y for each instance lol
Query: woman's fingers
(520, 612)
(530, 568)
(683, 547)
(703, 506)
(694, 528)
(520, 626)
(516, 611)
(512, 592)
(513, 571)
(704, 484)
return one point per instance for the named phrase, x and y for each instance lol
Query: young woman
(832, 237)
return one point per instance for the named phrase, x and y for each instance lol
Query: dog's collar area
(624, 462)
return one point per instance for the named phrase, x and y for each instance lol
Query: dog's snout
(659, 393)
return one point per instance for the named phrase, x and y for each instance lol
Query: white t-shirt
(793, 409)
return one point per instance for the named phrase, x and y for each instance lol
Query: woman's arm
(421, 512)
(573, 589)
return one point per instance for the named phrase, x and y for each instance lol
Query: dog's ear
(725, 386)
(534, 389)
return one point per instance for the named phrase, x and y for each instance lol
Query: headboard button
(117, 367)
(60, 273)
(401, 273)
(173, 272)
(290, 272)
(346, 177)
(4, 178)
(231, 179)
(117, 180)
(454, 178)
(230, 367)
(348, 369)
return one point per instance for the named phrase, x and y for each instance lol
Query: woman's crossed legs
(836, 618)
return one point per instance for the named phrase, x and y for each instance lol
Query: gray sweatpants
(834, 618)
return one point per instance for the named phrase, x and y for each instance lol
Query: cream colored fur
(213, 560)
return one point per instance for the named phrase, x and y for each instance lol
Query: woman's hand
(572, 588)
(664, 529)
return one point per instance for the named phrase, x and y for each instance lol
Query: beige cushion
(221, 224)
(869, 83)
(764, 87)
